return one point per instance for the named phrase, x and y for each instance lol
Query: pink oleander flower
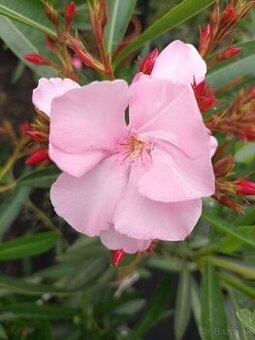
(130, 184)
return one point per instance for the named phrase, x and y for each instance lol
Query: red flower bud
(228, 53)
(251, 91)
(37, 59)
(147, 64)
(205, 35)
(37, 136)
(51, 43)
(245, 187)
(24, 127)
(205, 96)
(117, 257)
(150, 249)
(38, 156)
(230, 14)
(70, 11)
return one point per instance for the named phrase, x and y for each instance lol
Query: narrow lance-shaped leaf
(42, 178)
(16, 285)
(31, 310)
(174, 17)
(28, 12)
(214, 324)
(154, 311)
(231, 70)
(11, 207)
(245, 234)
(247, 318)
(26, 246)
(183, 303)
(120, 13)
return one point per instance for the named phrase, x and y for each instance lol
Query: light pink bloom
(128, 184)
(180, 63)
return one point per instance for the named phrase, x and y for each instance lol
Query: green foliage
(247, 318)
(213, 316)
(174, 17)
(42, 178)
(120, 13)
(26, 246)
(56, 284)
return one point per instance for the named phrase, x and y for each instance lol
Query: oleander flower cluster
(135, 160)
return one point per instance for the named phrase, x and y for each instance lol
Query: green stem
(242, 270)
(232, 281)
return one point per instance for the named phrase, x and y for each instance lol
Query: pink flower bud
(77, 63)
(147, 64)
(117, 257)
(38, 156)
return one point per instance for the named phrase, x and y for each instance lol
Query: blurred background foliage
(55, 283)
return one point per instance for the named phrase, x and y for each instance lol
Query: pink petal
(164, 110)
(174, 177)
(48, 89)
(180, 62)
(114, 240)
(91, 117)
(213, 145)
(87, 203)
(75, 164)
(139, 217)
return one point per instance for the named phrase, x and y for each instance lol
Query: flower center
(133, 151)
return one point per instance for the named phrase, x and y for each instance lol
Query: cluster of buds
(58, 43)
(239, 118)
(226, 189)
(229, 191)
(99, 16)
(220, 28)
(205, 96)
(39, 133)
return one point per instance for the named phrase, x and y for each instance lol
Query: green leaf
(3, 334)
(174, 17)
(233, 281)
(247, 318)
(213, 316)
(11, 207)
(31, 310)
(195, 302)
(246, 154)
(26, 246)
(246, 235)
(130, 307)
(153, 311)
(22, 40)
(19, 37)
(28, 12)
(120, 13)
(21, 286)
(231, 70)
(42, 178)
(183, 303)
